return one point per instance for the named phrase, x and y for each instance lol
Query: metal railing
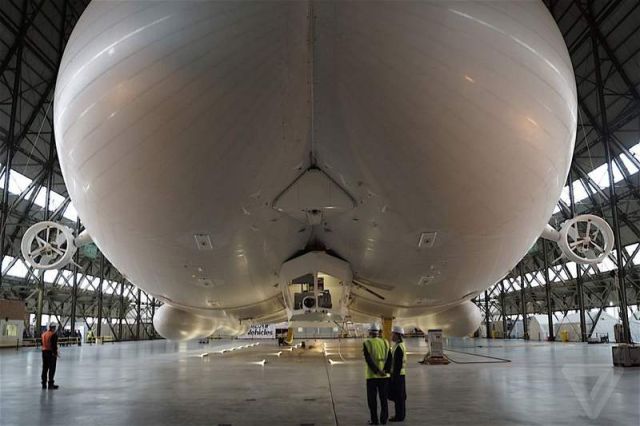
(37, 342)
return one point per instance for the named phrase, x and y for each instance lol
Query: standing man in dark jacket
(397, 385)
(377, 355)
(49, 356)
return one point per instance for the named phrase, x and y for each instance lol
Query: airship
(304, 161)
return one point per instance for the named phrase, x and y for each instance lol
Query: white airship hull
(178, 124)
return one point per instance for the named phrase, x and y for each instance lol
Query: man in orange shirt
(49, 355)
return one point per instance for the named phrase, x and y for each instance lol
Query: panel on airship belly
(448, 117)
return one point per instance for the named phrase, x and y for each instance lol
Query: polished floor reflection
(163, 383)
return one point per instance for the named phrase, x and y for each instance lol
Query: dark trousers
(48, 366)
(398, 394)
(378, 388)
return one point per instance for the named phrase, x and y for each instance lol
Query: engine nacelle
(50, 245)
(461, 320)
(585, 239)
(179, 325)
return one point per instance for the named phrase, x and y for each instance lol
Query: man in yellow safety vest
(377, 355)
(397, 389)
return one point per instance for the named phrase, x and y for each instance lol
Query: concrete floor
(161, 383)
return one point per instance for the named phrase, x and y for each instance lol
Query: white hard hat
(398, 330)
(53, 324)
(374, 327)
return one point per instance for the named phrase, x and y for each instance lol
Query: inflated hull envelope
(454, 120)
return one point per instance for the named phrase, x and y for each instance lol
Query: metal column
(122, 313)
(547, 288)
(39, 304)
(486, 314)
(523, 298)
(100, 285)
(138, 315)
(579, 285)
(47, 214)
(10, 141)
(74, 290)
(504, 311)
(387, 325)
(153, 314)
(622, 289)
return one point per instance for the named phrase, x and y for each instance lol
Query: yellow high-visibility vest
(378, 351)
(404, 358)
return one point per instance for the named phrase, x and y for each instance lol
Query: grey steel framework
(33, 34)
(603, 38)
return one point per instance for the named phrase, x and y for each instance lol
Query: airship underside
(399, 156)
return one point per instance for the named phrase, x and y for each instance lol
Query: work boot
(52, 386)
(44, 386)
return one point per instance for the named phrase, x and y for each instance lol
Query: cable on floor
(333, 402)
(497, 360)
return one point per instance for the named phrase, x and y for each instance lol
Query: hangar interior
(510, 373)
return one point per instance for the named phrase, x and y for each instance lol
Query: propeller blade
(573, 231)
(597, 246)
(37, 251)
(60, 239)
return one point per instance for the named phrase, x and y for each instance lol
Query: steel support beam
(39, 304)
(523, 295)
(74, 290)
(15, 100)
(122, 313)
(504, 310)
(138, 314)
(52, 146)
(100, 298)
(598, 37)
(486, 314)
(19, 41)
(622, 290)
(547, 289)
(153, 314)
(579, 286)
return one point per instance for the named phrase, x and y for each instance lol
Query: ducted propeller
(50, 245)
(585, 239)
